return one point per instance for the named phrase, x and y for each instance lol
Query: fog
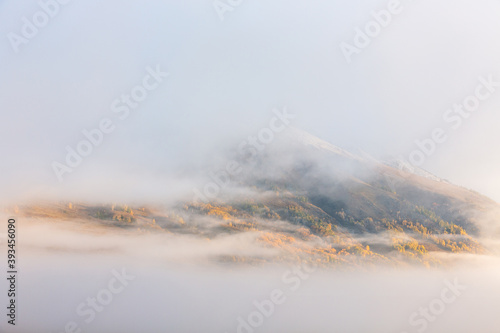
(173, 286)
(225, 78)
(206, 84)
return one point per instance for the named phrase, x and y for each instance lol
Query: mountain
(304, 199)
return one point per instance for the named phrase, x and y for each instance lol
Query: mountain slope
(304, 199)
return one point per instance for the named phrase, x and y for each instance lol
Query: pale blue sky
(226, 76)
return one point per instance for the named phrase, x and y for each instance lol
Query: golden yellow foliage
(223, 212)
(276, 240)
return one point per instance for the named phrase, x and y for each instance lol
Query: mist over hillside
(254, 166)
(325, 229)
(301, 198)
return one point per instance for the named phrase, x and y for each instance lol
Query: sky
(225, 76)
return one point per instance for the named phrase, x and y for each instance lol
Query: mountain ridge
(308, 200)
